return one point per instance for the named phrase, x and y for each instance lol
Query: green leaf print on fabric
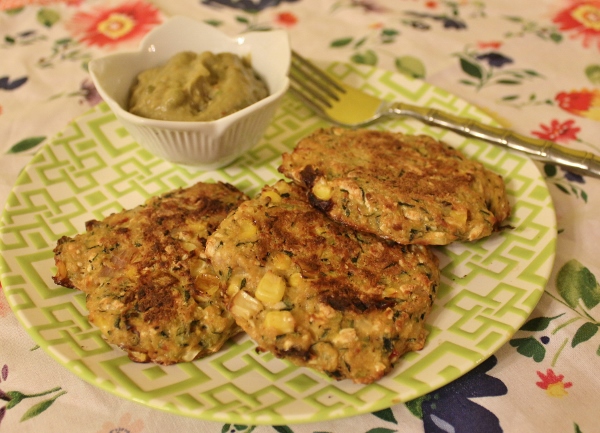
(416, 406)
(579, 290)
(584, 333)
(368, 57)
(389, 35)
(14, 398)
(486, 67)
(26, 144)
(65, 49)
(575, 283)
(22, 39)
(342, 42)
(592, 72)
(377, 36)
(565, 182)
(48, 17)
(251, 23)
(386, 415)
(529, 347)
(539, 323)
(410, 66)
(520, 101)
(40, 407)
(547, 33)
(471, 68)
(14, 11)
(238, 428)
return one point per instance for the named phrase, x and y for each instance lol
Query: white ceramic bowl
(206, 145)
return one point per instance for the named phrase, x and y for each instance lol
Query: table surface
(533, 67)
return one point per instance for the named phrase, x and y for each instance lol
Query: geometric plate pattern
(94, 168)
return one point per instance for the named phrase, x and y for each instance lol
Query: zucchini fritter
(149, 287)
(407, 188)
(318, 293)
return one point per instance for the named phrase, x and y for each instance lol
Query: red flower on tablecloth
(559, 132)
(286, 19)
(489, 44)
(584, 103)
(553, 384)
(125, 424)
(109, 26)
(582, 18)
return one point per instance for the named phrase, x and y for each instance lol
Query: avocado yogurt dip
(196, 87)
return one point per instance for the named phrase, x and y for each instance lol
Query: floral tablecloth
(532, 66)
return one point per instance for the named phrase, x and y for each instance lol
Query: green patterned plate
(94, 168)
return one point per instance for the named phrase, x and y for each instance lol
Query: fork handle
(576, 160)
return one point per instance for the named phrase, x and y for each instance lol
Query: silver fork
(350, 107)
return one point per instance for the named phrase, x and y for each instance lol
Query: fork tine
(311, 71)
(312, 85)
(309, 102)
(307, 92)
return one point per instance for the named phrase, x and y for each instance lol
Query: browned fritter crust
(149, 286)
(411, 189)
(318, 293)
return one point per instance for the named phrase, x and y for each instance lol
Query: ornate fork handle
(576, 160)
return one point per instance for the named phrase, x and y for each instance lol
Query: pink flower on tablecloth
(110, 26)
(17, 4)
(89, 92)
(584, 103)
(286, 19)
(125, 424)
(553, 383)
(4, 308)
(582, 19)
(559, 132)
